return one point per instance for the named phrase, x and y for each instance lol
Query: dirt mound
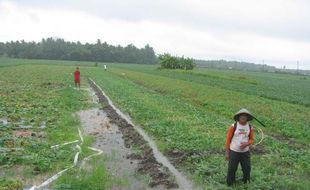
(258, 149)
(147, 164)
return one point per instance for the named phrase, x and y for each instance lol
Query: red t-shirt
(77, 75)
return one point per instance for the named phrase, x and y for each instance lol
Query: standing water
(182, 181)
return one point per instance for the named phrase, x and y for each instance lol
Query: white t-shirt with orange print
(241, 135)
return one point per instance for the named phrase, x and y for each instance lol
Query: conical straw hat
(243, 111)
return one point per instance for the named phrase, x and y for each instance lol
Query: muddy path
(134, 147)
(109, 139)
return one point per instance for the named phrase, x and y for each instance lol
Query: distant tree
(148, 55)
(2, 49)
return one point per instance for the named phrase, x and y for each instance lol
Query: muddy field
(146, 162)
(182, 122)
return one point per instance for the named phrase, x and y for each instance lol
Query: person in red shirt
(77, 77)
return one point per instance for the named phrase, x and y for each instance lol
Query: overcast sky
(276, 31)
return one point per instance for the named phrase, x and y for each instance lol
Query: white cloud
(242, 30)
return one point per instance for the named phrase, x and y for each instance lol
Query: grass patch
(93, 176)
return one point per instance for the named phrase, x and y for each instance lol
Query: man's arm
(229, 136)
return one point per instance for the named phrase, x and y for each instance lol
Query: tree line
(59, 49)
(234, 65)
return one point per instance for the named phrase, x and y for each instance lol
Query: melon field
(186, 113)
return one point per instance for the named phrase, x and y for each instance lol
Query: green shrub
(173, 62)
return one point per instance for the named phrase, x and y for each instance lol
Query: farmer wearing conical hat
(240, 136)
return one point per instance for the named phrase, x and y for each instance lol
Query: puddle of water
(109, 139)
(42, 125)
(182, 181)
(92, 94)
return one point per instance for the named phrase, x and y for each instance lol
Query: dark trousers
(234, 159)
